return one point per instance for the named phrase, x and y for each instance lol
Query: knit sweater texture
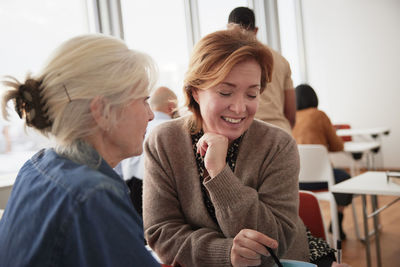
(262, 194)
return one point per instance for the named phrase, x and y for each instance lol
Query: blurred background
(347, 50)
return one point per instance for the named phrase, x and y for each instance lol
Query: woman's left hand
(248, 247)
(213, 147)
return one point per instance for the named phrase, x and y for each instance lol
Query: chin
(233, 136)
(233, 132)
(136, 151)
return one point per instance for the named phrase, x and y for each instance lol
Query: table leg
(365, 219)
(374, 202)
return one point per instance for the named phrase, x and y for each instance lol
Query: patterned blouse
(320, 252)
(230, 159)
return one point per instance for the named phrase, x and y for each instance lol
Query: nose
(238, 105)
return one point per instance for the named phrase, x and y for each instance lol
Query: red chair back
(310, 213)
(346, 138)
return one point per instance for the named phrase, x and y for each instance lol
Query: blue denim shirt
(61, 213)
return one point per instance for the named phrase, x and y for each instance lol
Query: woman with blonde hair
(220, 185)
(68, 207)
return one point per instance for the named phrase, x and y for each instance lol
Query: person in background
(68, 207)
(278, 103)
(212, 195)
(163, 102)
(313, 126)
(5, 140)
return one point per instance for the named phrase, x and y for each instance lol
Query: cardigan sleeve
(167, 231)
(272, 208)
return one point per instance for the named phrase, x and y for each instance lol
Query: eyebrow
(233, 85)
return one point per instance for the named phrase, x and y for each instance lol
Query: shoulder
(311, 112)
(166, 137)
(263, 128)
(278, 58)
(319, 114)
(269, 147)
(171, 129)
(261, 132)
(79, 181)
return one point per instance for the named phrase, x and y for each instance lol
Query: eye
(253, 93)
(225, 93)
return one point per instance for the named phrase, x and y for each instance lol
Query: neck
(109, 155)
(81, 152)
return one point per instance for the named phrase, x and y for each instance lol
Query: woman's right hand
(248, 247)
(213, 147)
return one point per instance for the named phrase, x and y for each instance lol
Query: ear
(255, 30)
(97, 110)
(195, 94)
(171, 107)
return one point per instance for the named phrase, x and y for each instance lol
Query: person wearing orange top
(313, 126)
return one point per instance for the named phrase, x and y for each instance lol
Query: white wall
(353, 62)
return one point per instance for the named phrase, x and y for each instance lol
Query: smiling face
(229, 107)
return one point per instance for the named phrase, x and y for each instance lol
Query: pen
(339, 251)
(271, 252)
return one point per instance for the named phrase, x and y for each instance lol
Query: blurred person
(163, 103)
(68, 207)
(5, 140)
(278, 103)
(314, 127)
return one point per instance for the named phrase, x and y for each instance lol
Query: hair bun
(30, 105)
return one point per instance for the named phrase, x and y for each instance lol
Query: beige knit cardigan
(262, 194)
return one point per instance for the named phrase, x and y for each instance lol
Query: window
(30, 30)
(34, 28)
(214, 14)
(288, 26)
(158, 28)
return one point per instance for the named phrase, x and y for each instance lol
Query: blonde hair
(213, 58)
(57, 101)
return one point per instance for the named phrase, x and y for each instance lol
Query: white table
(357, 150)
(368, 134)
(7, 179)
(370, 183)
(10, 163)
(6, 184)
(13, 161)
(360, 147)
(373, 132)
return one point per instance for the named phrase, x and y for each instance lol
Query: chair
(310, 213)
(346, 138)
(316, 167)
